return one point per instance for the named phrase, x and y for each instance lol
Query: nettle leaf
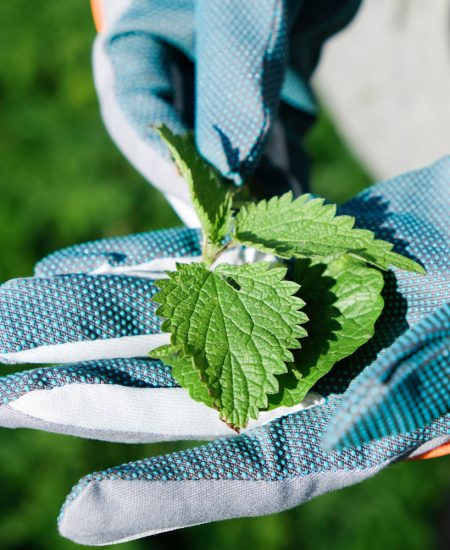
(185, 372)
(238, 325)
(211, 197)
(307, 227)
(343, 301)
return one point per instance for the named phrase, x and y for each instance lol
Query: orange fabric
(434, 453)
(98, 15)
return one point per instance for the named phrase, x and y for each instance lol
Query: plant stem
(210, 252)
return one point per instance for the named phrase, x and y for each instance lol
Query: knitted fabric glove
(92, 303)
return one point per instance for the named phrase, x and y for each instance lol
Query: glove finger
(121, 252)
(77, 318)
(125, 400)
(406, 389)
(49, 398)
(249, 73)
(135, 76)
(266, 470)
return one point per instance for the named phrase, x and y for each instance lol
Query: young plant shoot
(253, 337)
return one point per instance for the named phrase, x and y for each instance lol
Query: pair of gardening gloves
(89, 310)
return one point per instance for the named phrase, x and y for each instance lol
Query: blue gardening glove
(93, 301)
(249, 63)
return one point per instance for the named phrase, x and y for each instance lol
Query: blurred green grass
(63, 181)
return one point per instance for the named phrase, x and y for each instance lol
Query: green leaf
(210, 196)
(238, 324)
(184, 372)
(343, 301)
(307, 227)
(380, 254)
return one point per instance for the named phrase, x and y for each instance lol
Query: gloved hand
(92, 302)
(253, 61)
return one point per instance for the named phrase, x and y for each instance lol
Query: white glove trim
(156, 411)
(70, 352)
(156, 269)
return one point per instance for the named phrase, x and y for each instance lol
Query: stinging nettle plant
(253, 337)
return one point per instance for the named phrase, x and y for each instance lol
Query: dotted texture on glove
(38, 312)
(121, 251)
(140, 47)
(64, 304)
(241, 61)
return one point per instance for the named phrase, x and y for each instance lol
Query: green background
(63, 181)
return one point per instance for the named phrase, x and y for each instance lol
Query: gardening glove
(93, 302)
(253, 61)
